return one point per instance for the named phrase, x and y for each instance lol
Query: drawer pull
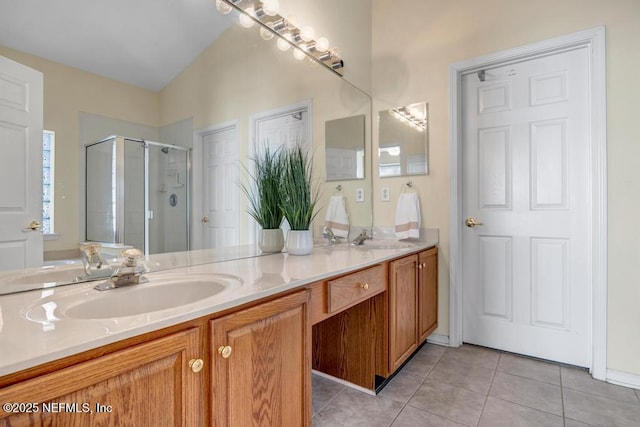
(196, 365)
(364, 286)
(225, 351)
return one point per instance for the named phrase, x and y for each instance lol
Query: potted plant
(264, 193)
(300, 200)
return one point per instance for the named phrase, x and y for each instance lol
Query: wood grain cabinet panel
(402, 310)
(261, 364)
(354, 288)
(149, 384)
(427, 293)
(413, 304)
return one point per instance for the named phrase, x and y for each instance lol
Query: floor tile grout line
(330, 400)
(404, 405)
(486, 397)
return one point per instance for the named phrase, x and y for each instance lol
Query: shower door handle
(205, 219)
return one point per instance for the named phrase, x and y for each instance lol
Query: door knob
(33, 225)
(472, 222)
(205, 219)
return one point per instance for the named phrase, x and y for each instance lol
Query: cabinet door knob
(364, 286)
(420, 266)
(196, 365)
(225, 351)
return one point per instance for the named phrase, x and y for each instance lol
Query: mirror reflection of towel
(408, 216)
(337, 218)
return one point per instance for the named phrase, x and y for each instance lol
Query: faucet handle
(131, 256)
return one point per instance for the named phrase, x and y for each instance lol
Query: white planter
(271, 240)
(300, 242)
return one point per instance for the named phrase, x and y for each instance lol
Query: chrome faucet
(360, 238)
(329, 235)
(129, 273)
(95, 266)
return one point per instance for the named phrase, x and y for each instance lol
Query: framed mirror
(344, 148)
(403, 141)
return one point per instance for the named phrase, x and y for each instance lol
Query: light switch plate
(384, 194)
(359, 194)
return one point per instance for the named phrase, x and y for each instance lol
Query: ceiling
(142, 42)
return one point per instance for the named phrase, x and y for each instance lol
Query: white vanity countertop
(25, 343)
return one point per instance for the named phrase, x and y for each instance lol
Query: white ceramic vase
(300, 242)
(271, 240)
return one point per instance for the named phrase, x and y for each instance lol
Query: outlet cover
(359, 194)
(384, 194)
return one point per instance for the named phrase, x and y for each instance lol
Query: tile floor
(474, 386)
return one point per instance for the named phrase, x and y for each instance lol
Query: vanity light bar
(403, 113)
(290, 33)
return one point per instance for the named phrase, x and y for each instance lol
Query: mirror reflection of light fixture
(265, 33)
(299, 54)
(246, 19)
(223, 7)
(265, 12)
(414, 118)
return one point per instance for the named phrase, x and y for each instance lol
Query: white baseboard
(438, 339)
(623, 378)
(343, 382)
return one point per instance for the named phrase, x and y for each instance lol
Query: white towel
(408, 216)
(337, 218)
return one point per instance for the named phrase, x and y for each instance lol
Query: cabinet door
(261, 365)
(150, 384)
(427, 293)
(403, 333)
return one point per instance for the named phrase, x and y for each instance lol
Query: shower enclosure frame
(119, 186)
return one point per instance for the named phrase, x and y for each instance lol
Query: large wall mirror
(403, 144)
(230, 90)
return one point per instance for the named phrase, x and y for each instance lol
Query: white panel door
(220, 198)
(21, 117)
(284, 130)
(526, 273)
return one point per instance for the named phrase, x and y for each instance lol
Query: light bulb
(283, 44)
(299, 54)
(322, 44)
(223, 7)
(307, 34)
(270, 7)
(246, 20)
(292, 22)
(265, 33)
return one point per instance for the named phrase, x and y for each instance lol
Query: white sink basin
(161, 293)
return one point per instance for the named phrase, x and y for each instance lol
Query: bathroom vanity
(240, 357)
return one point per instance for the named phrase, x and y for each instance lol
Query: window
(48, 149)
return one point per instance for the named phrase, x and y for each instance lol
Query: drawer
(354, 288)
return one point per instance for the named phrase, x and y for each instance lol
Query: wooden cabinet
(427, 293)
(413, 304)
(261, 364)
(403, 314)
(148, 384)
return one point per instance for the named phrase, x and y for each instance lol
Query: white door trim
(594, 40)
(197, 210)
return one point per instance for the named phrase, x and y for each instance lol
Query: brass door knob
(33, 225)
(196, 365)
(364, 286)
(225, 351)
(205, 219)
(472, 222)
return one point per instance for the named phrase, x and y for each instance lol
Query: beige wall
(67, 92)
(414, 45)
